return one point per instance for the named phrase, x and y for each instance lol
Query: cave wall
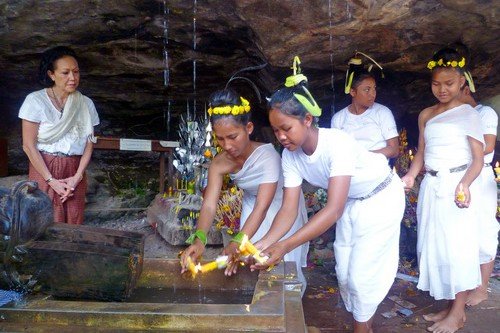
(121, 46)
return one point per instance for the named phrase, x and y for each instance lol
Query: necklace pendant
(59, 105)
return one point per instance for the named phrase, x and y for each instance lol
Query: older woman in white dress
(58, 126)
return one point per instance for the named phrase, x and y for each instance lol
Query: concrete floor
(324, 310)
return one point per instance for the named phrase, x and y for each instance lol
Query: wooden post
(162, 172)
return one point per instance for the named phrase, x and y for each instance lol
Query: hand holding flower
(275, 254)
(194, 252)
(462, 196)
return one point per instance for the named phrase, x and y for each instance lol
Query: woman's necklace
(59, 105)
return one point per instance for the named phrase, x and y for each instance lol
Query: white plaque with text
(135, 144)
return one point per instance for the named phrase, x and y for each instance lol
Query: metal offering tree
(191, 153)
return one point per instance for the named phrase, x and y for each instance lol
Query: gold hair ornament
(468, 77)
(440, 63)
(295, 80)
(297, 77)
(355, 61)
(234, 110)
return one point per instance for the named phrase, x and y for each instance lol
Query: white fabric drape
(75, 114)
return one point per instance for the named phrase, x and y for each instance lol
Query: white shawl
(75, 114)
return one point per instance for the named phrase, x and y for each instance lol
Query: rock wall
(121, 46)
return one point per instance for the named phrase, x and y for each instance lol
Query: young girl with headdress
(370, 123)
(488, 225)
(256, 169)
(450, 147)
(360, 185)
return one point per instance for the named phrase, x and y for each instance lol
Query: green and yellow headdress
(297, 79)
(356, 65)
(470, 82)
(234, 110)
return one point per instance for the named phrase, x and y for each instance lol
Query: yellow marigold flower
(431, 64)
(233, 190)
(454, 63)
(244, 102)
(207, 153)
(461, 63)
(440, 62)
(231, 109)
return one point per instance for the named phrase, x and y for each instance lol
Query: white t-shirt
(489, 121)
(337, 154)
(38, 108)
(371, 128)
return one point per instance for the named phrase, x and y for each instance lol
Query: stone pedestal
(175, 219)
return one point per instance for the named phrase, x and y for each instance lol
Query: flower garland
(401, 166)
(228, 211)
(231, 109)
(315, 201)
(433, 63)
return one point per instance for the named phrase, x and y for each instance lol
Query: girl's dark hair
(227, 97)
(49, 58)
(452, 53)
(284, 101)
(359, 76)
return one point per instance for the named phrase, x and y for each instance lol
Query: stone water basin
(166, 301)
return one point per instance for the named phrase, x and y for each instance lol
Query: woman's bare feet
(437, 316)
(477, 296)
(450, 324)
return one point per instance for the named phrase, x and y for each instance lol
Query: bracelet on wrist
(200, 234)
(48, 180)
(238, 237)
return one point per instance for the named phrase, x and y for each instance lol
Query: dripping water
(194, 76)
(169, 104)
(194, 60)
(166, 69)
(332, 76)
(194, 24)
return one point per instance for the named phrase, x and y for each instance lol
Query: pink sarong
(72, 210)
